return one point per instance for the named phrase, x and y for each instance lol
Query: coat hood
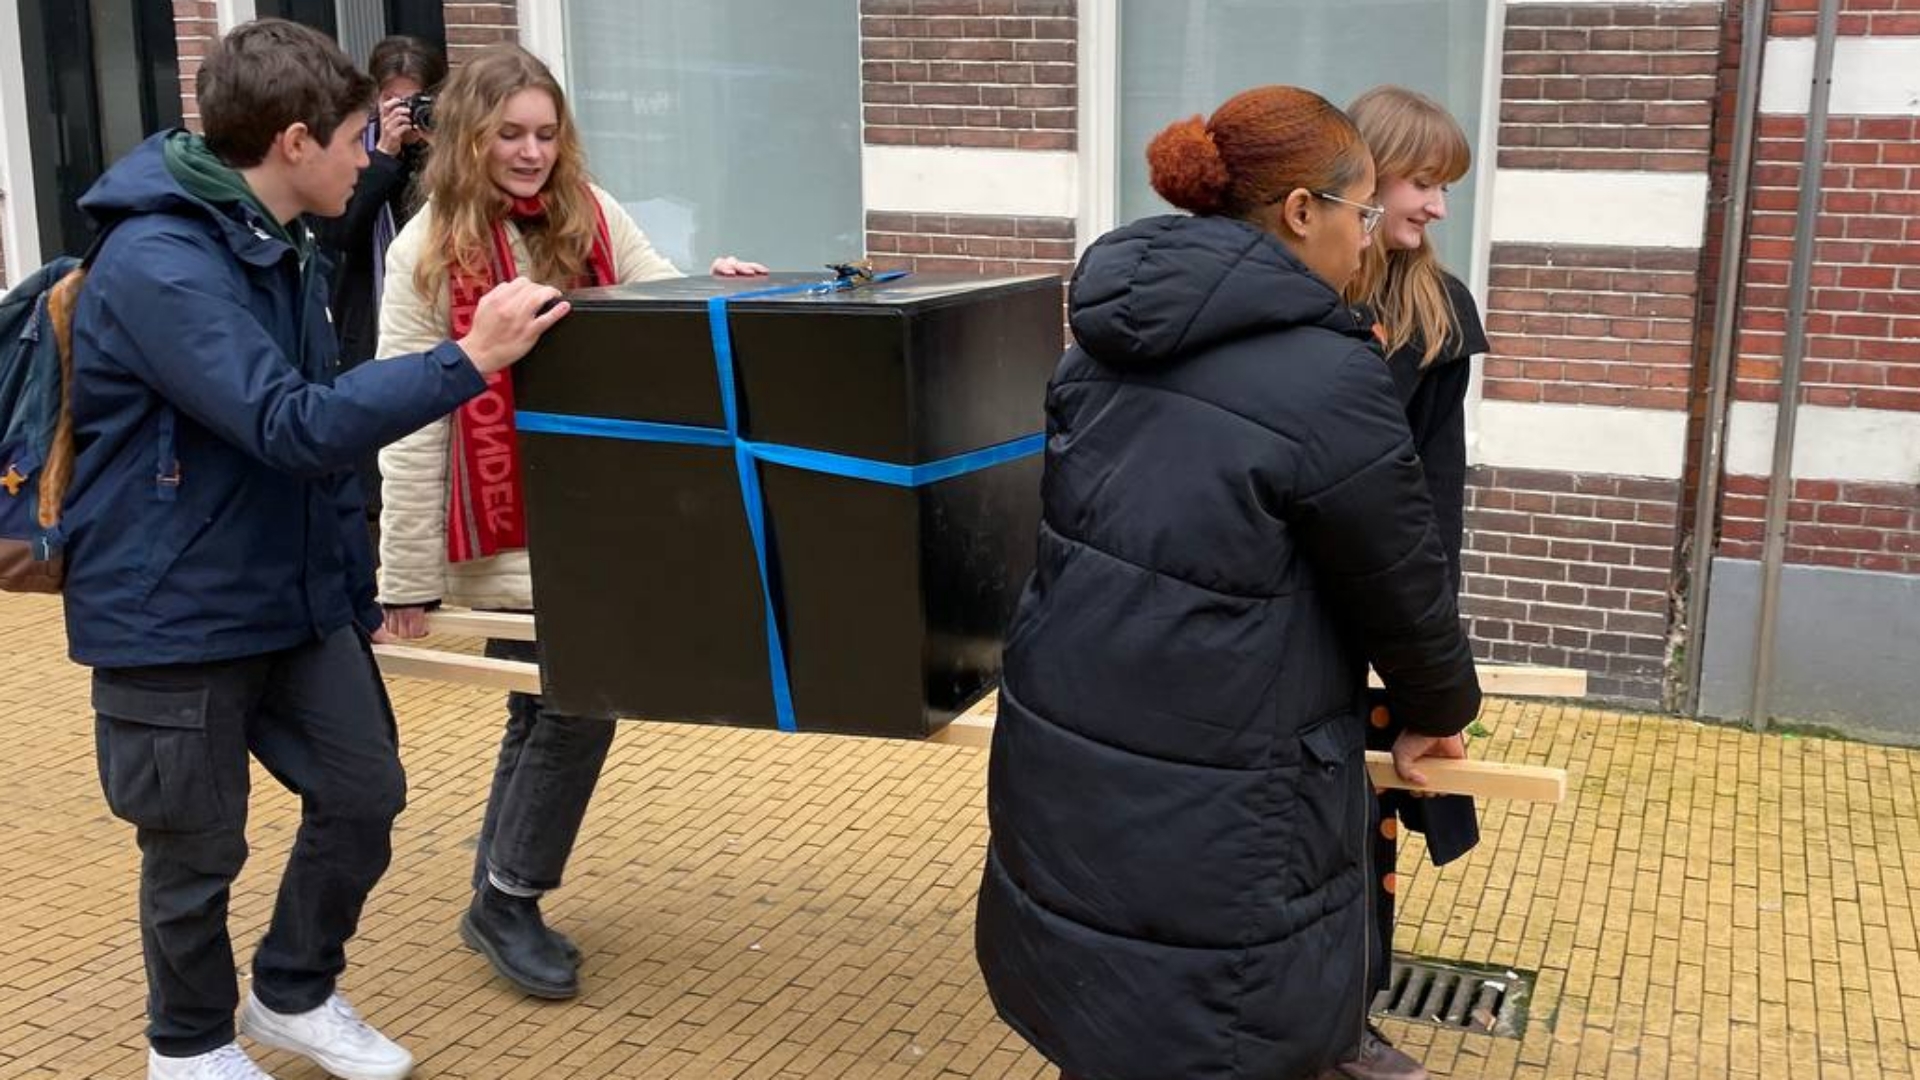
(1164, 288)
(142, 183)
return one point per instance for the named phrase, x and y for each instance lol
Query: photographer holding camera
(406, 70)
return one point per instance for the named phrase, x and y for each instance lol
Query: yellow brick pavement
(1707, 903)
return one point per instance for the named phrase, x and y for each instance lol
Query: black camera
(420, 110)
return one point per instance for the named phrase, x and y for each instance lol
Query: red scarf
(486, 508)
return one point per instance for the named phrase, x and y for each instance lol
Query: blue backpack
(36, 423)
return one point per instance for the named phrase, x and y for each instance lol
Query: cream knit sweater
(413, 519)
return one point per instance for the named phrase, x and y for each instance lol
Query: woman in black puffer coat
(1235, 523)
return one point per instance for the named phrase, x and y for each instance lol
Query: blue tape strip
(747, 454)
(632, 430)
(887, 472)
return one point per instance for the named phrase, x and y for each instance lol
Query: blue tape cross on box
(749, 453)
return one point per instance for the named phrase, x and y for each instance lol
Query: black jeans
(549, 765)
(172, 743)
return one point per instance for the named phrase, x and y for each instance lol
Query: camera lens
(420, 110)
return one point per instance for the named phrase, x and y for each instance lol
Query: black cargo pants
(173, 744)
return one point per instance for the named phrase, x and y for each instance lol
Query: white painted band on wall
(1877, 76)
(1715, 4)
(1582, 439)
(231, 13)
(1862, 445)
(1613, 209)
(944, 180)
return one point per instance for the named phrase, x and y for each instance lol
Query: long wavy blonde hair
(467, 115)
(1412, 137)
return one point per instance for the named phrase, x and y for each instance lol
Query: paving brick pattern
(1707, 903)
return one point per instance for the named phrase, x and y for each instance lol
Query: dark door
(101, 75)
(318, 14)
(424, 19)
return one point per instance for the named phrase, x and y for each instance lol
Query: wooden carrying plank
(410, 660)
(1481, 779)
(456, 622)
(1509, 680)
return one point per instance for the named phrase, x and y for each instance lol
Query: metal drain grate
(1460, 997)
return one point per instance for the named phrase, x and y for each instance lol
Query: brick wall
(1878, 18)
(1576, 567)
(977, 73)
(1863, 316)
(1590, 325)
(1863, 322)
(1571, 571)
(1856, 526)
(970, 243)
(961, 76)
(472, 26)
(1608, 87)
(196, 26)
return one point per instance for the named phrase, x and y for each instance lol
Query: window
(724, 126)
(1181, 58)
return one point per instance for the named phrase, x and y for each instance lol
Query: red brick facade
(1863, 322)
(474, 25)
(1856, 526)
(1608, 87)
(1590, 325)
(974, 73)
(970, 243)
(1858, 18)
(196, 25)
(970, 74)
(1571, 570)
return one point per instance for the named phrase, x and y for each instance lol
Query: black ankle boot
(508, 931)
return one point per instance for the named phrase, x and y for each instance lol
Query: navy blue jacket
(1234, 524)
(215, 514)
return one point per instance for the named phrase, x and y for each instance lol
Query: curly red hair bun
(1184, 166)
(1260, 145)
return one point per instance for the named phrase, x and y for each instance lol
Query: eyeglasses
(1369, 215)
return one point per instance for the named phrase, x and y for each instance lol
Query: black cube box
(889, 586)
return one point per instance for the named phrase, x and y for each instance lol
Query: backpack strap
(56, 473)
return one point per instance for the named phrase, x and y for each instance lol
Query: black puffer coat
(1235, 524)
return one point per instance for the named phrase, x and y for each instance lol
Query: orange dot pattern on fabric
(1389, 883)
(1379, 716)
(1390, 828)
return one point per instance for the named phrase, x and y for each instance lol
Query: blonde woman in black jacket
(1431, 330)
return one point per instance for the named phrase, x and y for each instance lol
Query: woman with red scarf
(507, 194)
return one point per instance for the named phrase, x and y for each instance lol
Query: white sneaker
(229, 1062)
(333, 1036)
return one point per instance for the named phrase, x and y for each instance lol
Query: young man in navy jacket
(219, 580)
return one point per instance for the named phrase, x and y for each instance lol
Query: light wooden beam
(1520, 680)
(1481, 779)
(418, 663)
(457, 622)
